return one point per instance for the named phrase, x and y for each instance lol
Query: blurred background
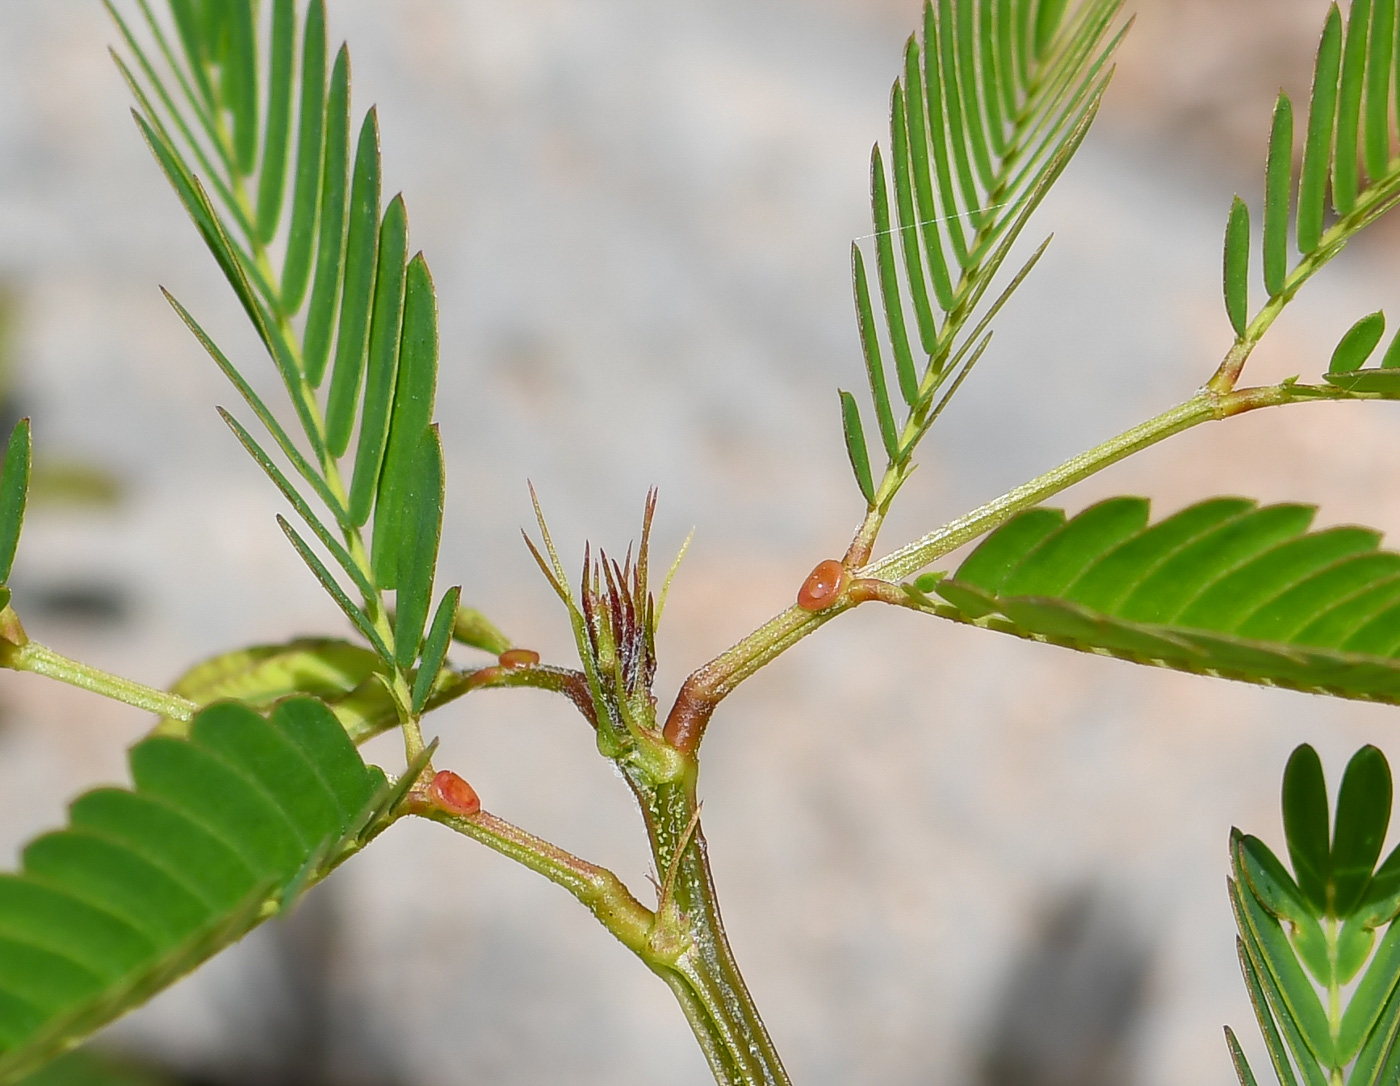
(945, 857)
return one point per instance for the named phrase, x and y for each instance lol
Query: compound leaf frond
(1224, 587)
(994, 99)
(147, 882)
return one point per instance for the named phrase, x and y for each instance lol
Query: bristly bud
(620, 623)
(614, 620)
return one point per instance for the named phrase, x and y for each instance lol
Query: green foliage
(1351, 125)
(1358, 344)
(233, 813)
(969, 162)
(1223, 587)
(1237, 266)
(14, 494)
(216, 108)
(350, 680)
(219, 832)
(1307, 935)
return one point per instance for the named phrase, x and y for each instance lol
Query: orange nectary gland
(514, 658)
(823, 586)
(453, 795)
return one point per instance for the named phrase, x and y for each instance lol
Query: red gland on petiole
(823, 586)
(515, 658)
(452, 794)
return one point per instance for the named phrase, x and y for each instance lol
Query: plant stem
(604, 894)
(707, 686)
(682, 941)
(42, 660)
(689, 949)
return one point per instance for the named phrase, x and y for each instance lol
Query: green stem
(682, 941)
(689, 950)
(706, 687)
(604, 894)
(42, 660)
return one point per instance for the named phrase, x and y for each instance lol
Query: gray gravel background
(637, 214)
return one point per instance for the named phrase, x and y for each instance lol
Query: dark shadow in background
(1071, 1005)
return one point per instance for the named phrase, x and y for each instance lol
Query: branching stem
(707, 686)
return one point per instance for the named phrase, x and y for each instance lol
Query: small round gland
(453, 795)
(823, 586)
(514, 658)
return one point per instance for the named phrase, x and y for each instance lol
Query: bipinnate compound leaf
(145, 883)
(994, 99)
(1225, 587)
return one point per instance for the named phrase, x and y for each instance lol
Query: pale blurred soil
(638, 217)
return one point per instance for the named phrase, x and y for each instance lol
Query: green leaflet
(855, 446)
(1363, 815)
(1237, 1057)
(14, 492)
(306, 190)
(146, 883)
(1237, 267)
(272, 176)
(1278, 186)
(240, 77)
(361, 247)
(336, 672)
(979, 130)
(383, 360)
(1307, 825)
(422, 530)
(435, 647)
(1279, 894)
(330, 245)
(889, 279)
(1278, 1056)
(904, 187)
(1317, 151)
(1345, 179)
(1359, 343)
(471, 627)
(414, 391)
(1223, 587)
(1376, 118)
